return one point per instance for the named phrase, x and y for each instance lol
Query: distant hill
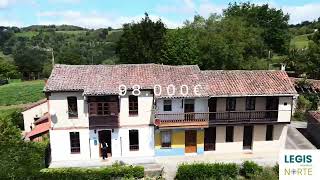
(53, 28)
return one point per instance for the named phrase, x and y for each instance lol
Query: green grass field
(21, 93)
(27, 34)
(6, 57)
(300, 41)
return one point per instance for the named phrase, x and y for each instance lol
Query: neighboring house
(313, 127)
(222, 111)
(40, 130)
(34, 112)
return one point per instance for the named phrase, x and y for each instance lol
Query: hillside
(300, 41)
(21, 93)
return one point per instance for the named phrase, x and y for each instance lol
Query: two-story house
(150, 109)
(244, 111)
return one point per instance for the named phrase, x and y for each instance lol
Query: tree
(180, 47)
(273, 22)
(141, 42)
(226, 43)
(30, 61)
(8, 70)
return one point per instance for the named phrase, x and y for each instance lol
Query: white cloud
(6, 22)
(93, 19)
(4, 4)
(302, 13)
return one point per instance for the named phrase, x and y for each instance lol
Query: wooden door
(212, 108)
(272, 104)
(189, 108)
(105, 136)
(210, 139)
(191, 141)
(247, 137)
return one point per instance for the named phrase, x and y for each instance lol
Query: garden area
(247, 170)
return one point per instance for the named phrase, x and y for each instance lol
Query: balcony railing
(103, 115)
(103, 121)
(203, 119)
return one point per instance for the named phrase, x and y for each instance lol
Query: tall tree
(142, 42)
(273, 22)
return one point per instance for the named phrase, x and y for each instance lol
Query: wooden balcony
(204, 119)
(103, 115)
(103, 122)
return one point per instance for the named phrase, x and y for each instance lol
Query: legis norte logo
(299, 164)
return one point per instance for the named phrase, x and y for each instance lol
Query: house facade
(160, 110)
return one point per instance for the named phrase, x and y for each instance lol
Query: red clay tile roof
(39, 129)
(314, 84)
(315, 115)
(106, 79)
(242, 82)
(44, 118)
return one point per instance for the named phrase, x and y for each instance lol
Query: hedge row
(92, 173)
(248, 170)
(207, 171)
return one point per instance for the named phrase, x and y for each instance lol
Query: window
(74, 142)
(250, 103)
(231, 104)
(269, 133)
(167, 105)
(103, 108)
(229, 134)
(133, 105)
(166, 139)
(72, 107)
(133, 140)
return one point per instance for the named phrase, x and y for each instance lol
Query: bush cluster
(92, 173)
(207, 171)
(248, 170)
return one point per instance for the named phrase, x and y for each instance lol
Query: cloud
(302, 13)
(6, 22)
(4, 4)
(65, 1)
(204, 8)
(93, 19)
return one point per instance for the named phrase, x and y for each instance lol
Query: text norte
(297, 158)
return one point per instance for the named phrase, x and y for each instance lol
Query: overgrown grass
(8, 58)
(300, 41)
(21, 92)
(27, 34)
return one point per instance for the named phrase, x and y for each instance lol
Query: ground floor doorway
(247, 137)
(210, 139)
(191, 141)
(105, 136)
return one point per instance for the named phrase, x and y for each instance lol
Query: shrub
(267, 173)
(276, 169)
(18, 158)
(207, 171)
(250, 169)
(92, 173)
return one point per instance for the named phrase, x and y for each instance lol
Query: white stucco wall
(259, 139)
(284, 114)
(30, 114)
(60, 145)
(59, 104)
(145, 105)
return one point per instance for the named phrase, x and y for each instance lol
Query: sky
(104, 13)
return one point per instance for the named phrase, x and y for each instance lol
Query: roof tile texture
(106, 79)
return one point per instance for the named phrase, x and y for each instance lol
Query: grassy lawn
(6, 57)
(300, 41)
(27, 34)
(72, 32)
(21, 92)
